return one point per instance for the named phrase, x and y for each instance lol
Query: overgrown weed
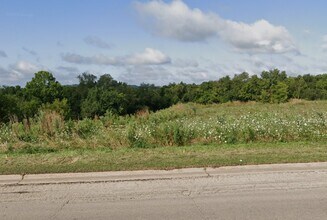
(182, 124)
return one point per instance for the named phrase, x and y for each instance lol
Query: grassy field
(185, 135)
(162, 157)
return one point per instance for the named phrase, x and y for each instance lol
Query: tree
(272, 77)
(106, 81)
(8, 106)
(148, 95)
(274, 86)
(321, 85)
(223, 88)
(100, 100)
(251, 90)
(29, 108)
(238, 82)
(279, 93)
(58, 106)
(44, 87)
(207, 93)
(296, 87)
(76, 94)
(87, 80)
(172, 94)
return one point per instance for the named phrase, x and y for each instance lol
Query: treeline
(97, 96)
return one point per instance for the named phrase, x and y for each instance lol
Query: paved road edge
(143, 175)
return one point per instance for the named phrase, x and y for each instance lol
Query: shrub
(26, 131)
(88, 127)
(51, 122)
(135, 137)
(6, 134)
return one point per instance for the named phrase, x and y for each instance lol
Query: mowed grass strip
(162, 157)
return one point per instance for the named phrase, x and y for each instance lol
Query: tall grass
(182, 124)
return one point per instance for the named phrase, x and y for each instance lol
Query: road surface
(252, 192)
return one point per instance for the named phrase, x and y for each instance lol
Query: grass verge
(162, 157)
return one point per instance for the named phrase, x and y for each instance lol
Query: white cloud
(307, 31)
(177, 21)
(259, 37)
(148, 57)
(160, 75)
(292, 65)
(145, 74)
(18, 72)
(67, 75)
(192, 75)
(97, 42)
(24, 67)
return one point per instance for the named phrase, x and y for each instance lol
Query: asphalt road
(258, 192)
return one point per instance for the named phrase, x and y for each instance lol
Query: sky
(160, 42)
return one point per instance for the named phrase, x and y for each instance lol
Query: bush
(26, 131)
(87, 127)
(6, 134)
(51, 122)
(135, 137)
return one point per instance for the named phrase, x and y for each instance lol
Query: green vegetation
(185, 135)
(179, 125)
(108, 125)
(162, 157)
(94, 97)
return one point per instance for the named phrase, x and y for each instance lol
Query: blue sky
(160, 41)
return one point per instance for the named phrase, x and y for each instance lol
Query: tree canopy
(94, 96)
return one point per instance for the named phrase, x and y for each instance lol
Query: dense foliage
(180, 125)
(94, 97)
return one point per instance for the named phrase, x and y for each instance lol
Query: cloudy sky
(160, 41)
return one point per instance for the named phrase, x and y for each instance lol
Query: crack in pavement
(188, 194)
(205, 170)
(199, 208)
(103, 181)
(61, 208)
(23, 175)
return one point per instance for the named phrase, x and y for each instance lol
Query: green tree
(8, 107)
(273, 84)
(321, 86)
(272, 77)
(106, 81)
(87, 80)
(44, 87)
(237, 84)
(251, 90)
(100, 100)
(224, 89)
(59, 106)
(296, 87)
(279, 93)
(148, 95)
(208, 93)
(29, 108)
(76, 94)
